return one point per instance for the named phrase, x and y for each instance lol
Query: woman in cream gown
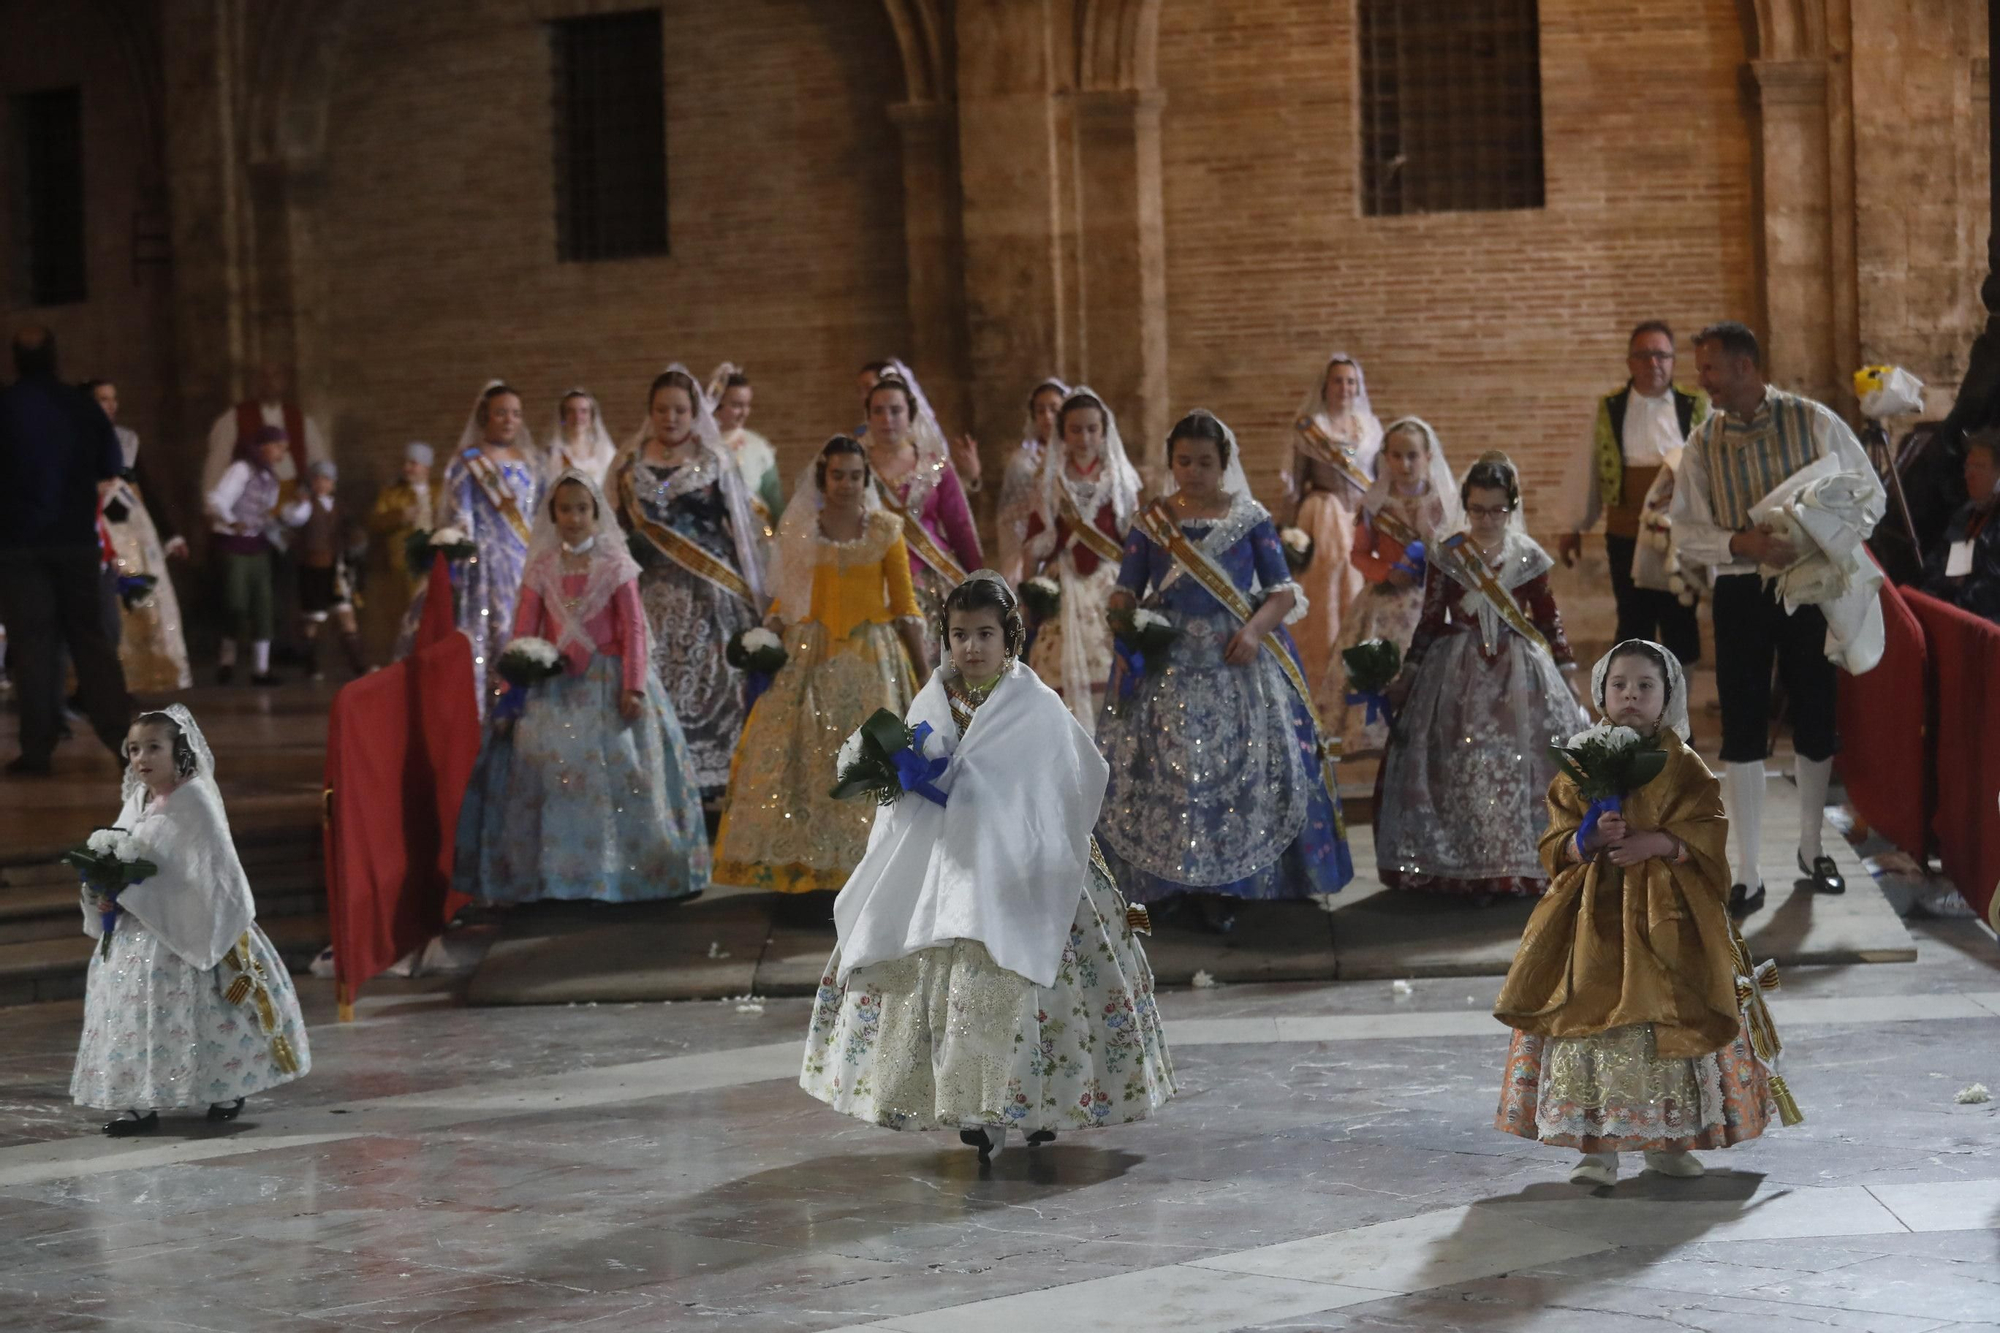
(1336, 439)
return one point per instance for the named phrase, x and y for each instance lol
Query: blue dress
(488, 585)
(1216, 784)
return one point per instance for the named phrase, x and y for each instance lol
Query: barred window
(610, 136)
(1451, 106)
(48, 196)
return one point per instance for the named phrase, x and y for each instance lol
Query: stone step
(55, 969)
(51, 912)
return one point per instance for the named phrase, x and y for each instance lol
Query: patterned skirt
(575, 802)
(692, 622)
(1085, 599)
(1613, 1093)
(160, 1034)
(782, 829)
(945, 1037)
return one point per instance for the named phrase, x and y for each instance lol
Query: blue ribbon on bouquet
(1378, 705)
(1598, 809)
(1135, 667)
(754, 685)
(914, 770)
(1412, 564)
(510, 705)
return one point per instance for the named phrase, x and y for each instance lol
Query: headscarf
(1675, 716)
(611, 563)
(1438, 478)
(711, 464)
(933, 455)
(475, 433)
(199, 901)
(1117, 481)
(1028, 436)
(416, 451)
(1234, 480)
(1367, 449)
(595, 453)
(795, 553)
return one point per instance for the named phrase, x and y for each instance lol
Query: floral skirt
(1330, 582)
(782, 829)
(945, 1037)
(1383, 611)
(576, 802)
(692, 622)
(1613, 1093)
(160, 1034)
(1072, 649)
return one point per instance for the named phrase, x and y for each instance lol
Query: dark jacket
(1979, 591)
(56, 444)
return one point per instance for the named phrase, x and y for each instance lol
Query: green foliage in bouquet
(866, 765)
(1371, 665)
(756, 649)
(1608, 762)
(419, 550)
(1042, 597)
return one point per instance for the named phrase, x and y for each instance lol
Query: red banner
(1964, 664)
(1885, 736)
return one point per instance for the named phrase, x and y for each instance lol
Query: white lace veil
(1028, 435)
(1234, 480)
(1369, 447)
(596, 451)
(933, 454)
(711, 463)
(795, 554)
(1117, 480)
(199, 902)
(474, 433)
(1675, 717)
(611, 563)
(1439, 476)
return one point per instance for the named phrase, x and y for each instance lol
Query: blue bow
(510, 704)
(754, 685)
(1135, 667)
(1378, 705)
(1412, 562)
(916, 772)
(1598, 809)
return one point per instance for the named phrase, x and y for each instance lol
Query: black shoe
(1743, 901)
(1824, 874)
(267, 679)
(1041, 1136)
(1217, 915)
(25, 767)
(978, 1138)
(132, 1124)
(224, 674)
(225, 1110)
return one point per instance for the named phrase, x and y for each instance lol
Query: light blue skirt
(575, 802)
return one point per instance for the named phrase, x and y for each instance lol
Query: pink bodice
(618, 629)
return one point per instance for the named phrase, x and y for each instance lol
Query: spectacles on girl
(1489, 511)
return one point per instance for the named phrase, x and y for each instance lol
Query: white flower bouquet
(528, 661)
(1298, 544)
(1608, 763)
(756, 650)
(1042, 597)
(884, 759)
(422, 547)
(109, 863)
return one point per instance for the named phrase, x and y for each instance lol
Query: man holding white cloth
(1758, 437)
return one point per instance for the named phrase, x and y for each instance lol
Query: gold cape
(1608, 946)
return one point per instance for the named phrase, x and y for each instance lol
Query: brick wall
(1496, 327)
(438, 237)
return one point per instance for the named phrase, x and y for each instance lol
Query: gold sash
(499, 494)
(1480, 575)
(248, 982)
(920, 541)
(1322, 448)
(1158, 524)
(1394, 528)
(689, 555)
(1088, 533)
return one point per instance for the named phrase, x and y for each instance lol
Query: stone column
(1123, 263)
(1799, 251)
(932, 232)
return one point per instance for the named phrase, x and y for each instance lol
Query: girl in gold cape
(1638, 1021)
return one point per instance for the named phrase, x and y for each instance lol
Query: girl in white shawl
(1336, 442)
(1084, 501)
(187, 1003)
(987, 978)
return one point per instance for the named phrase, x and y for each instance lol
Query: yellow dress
(782, 830)
(391, 584)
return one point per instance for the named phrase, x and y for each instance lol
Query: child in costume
(187, 1003)
(987, 978)
(241, 512)
(401, 508)
(1638, 1021)
(589, 793)
(322, 546)
(1219, 782)
(852, 629)
(1459, 795)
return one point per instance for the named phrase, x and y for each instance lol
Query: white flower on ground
(850, 752)
(539, 651)
(760, 640)
(1973, 1095)
(448, 537)
(104, 842)
(1295, 539)
(1203, 980)
(1149, 620)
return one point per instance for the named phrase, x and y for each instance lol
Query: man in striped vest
(1757, 438)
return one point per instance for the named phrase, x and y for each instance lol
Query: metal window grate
(1451, 106)
(610, 136)
(48, 196)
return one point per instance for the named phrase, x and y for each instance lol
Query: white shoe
(1595, 1168)
(1684, 1165)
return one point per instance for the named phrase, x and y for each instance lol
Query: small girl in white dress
(189, 1004)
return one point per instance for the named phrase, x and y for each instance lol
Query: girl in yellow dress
(851, 628)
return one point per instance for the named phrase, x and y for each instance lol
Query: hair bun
(1497, 457)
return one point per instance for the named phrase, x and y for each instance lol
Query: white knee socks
(225, 653)
(1814, 776)
(1746, 820)
(260, 654)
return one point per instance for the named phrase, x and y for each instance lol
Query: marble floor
(1330, 1164)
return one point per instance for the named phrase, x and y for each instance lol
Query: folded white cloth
(1828, 513)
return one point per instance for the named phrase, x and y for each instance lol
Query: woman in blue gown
(1218, 787)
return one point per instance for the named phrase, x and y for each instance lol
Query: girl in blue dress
(1219, 788)
(492, 487)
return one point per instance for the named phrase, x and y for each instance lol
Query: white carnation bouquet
(422, 547)
(1298, 544)
(528, 661)
(1042, 597)
(109, 863)
(1608, 763)
(757, 650)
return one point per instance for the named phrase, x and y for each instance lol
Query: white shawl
(1828, 513)
(1004, 862)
